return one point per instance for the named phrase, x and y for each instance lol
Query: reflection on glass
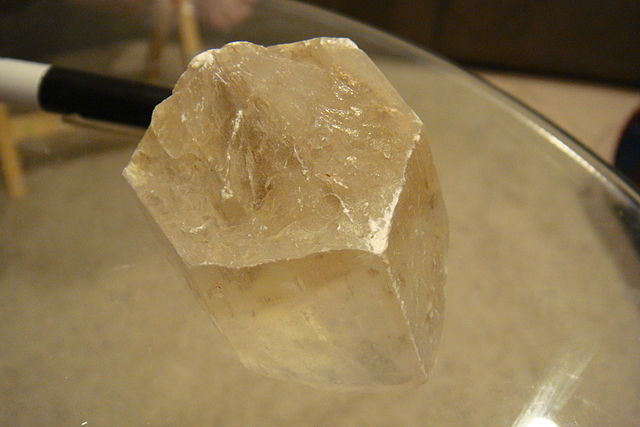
(556, 389)
(541, 422)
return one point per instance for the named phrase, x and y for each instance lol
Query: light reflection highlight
(541, 422)
(556, 389)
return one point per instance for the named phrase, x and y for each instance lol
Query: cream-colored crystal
(293, 183)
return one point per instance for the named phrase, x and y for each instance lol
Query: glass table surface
(542, 324)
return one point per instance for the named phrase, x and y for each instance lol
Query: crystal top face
(272, 153)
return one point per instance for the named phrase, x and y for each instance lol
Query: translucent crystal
(293, 183)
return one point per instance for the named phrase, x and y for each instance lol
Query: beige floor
(593, 113)
(97, 329)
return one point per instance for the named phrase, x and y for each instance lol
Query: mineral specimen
(295, 187)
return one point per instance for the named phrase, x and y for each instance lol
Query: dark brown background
(591, 39)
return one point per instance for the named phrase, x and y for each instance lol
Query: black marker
(65, 91)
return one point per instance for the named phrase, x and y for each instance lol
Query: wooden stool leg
(162, 21)
(188, 27)
(11, 165)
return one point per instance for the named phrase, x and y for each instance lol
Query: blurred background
(586, 39)
(576, 62)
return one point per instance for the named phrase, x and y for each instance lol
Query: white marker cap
(20, 81)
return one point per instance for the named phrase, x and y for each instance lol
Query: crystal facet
(294, 184)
